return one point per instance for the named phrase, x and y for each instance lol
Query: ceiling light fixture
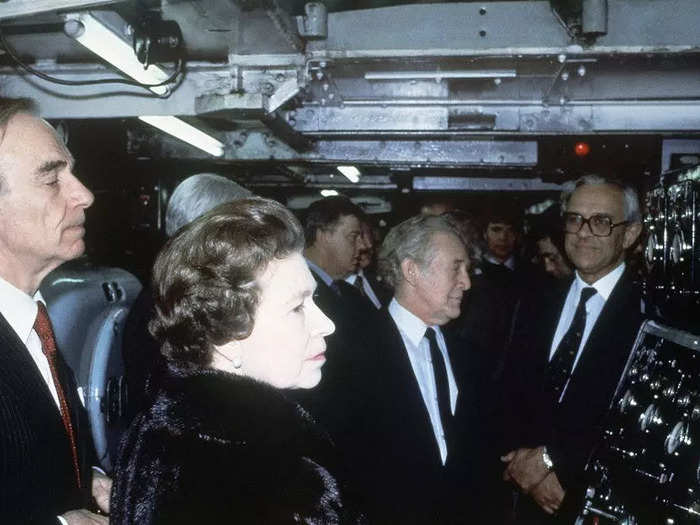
(105, 42)
(186, 132)
(350, 172)
(440, 75)
(329, 193)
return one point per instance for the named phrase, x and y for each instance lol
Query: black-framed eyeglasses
(599, 224)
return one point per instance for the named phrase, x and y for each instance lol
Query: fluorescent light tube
(182, 130)
(439, 75)
(329, 193)
(350, 172)
(109, 45)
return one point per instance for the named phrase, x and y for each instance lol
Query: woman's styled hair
(205, 278)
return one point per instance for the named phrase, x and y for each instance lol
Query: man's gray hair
(412, 239)
(629, 195)
(198, 194)
(9, 107)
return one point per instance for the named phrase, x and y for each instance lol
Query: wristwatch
(547, 460)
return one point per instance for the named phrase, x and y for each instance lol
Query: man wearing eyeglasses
(568, 350)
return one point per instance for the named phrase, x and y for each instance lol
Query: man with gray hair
(143, 362)
(198, 194)
(567, 352)
(45, 445)
(411, 432)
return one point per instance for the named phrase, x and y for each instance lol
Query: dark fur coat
(217, 448)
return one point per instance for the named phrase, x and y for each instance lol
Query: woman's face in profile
(286, 348)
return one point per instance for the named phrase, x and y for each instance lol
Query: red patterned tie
(42, 325)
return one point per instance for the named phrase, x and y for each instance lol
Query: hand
(525, 468)
(549, 493)
(84, 517)
(101, 489)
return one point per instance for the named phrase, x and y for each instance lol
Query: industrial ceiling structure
(471, 90)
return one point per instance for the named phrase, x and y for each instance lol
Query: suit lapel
(600, 352)
(404, 391)
(16, 358)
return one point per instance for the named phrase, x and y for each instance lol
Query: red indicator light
(582, 149)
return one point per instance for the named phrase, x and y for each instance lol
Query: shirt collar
(604, 286)
(19, 309)
(410, 325)
(319, 271)
(508, 263)
(353, 276)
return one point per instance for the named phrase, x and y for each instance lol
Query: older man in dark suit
(45, 446)
(409, 426)
(568, 351)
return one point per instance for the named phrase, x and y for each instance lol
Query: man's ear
(632, 232)
(322, 235)
(409, 270)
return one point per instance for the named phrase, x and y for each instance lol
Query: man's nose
(549, 265)
(464, 279)
(79, 194)
(586, 230)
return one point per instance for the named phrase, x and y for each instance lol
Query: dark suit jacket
(381, 290)
(36, 468)
(355, 319)
(569, 429)
(378, 419)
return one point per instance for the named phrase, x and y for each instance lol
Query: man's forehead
(448, 244)
(598, 198)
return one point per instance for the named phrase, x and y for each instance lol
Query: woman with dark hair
(221, 443)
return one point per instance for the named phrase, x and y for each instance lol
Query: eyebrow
(50, 166)
(301, 295)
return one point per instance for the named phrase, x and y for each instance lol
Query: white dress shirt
(604, 287)
(19, 310)
(412, 331)
(366, 287)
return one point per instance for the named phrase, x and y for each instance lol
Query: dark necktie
(441, 385)
(359, 285)
(43, 328)
(559, 369)
(344, 289)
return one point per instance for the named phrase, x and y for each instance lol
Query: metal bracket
(314, 24)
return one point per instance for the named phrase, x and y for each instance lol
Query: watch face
(547, 460)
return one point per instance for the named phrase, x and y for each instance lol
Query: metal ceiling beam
(17, 8)
(482, 184)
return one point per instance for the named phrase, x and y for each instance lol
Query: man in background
(334, 243)
(365, 278)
